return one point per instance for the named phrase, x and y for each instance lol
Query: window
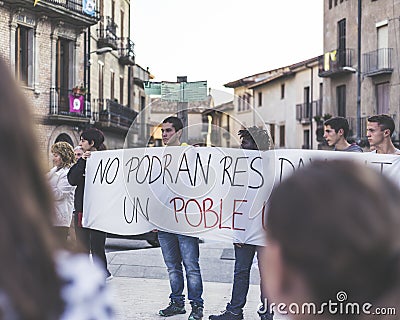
(330, 4)
(122, 24)
(307, 102)
(341, 100)
(260, 99)
(113, 10)
(382, 97)
(64, 71)
(342, 42)
(272, 132)
(121, 90)
(112, 85)
(282, 136)
(282, 91)
(306, 139)
(239, 103)
(101, 86)
(24, 55)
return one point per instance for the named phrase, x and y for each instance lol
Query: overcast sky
(224, 40)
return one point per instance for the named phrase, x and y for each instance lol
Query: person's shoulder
(354, 147)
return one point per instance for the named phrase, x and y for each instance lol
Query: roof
(270, 75)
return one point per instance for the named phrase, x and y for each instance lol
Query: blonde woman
(63, 192)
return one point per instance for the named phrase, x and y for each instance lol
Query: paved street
(141, 287)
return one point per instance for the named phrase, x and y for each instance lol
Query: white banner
(212, 193)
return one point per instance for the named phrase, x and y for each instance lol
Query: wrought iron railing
(107, 33)
(111, 113)
(378, 61)
(126, 52)
(303, 110)
(64, 102)
(334, 61)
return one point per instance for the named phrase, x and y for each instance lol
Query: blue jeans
(244, 256)
(176, 249)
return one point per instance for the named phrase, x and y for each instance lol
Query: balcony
(71, 11)
(126, 53)
(353, 128)
(378, 62)
(68, 107)
(331, 64)
(303, 111)
(107, 33)
(114, 116)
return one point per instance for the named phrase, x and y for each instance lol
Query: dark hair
(384, 121)
(337, 224)
(257, 136)
(28, 274)
(338, 123)
(96, 136)
(175, 121)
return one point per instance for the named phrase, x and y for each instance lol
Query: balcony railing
(378, 62)
(114, 115)
(332, 63)
(107, 33)
(353, 127)
(64, 104)
(303, 111)
(126, 53)
(72, 11)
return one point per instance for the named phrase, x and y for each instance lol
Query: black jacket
(76, 177)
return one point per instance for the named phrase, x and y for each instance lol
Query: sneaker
(265, 315)
(226, 315)
(172, 309)
(197, 312)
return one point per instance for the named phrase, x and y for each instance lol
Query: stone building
(74, 60)
(44, 45)
(360, 61)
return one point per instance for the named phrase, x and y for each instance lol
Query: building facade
(45, 48)
(286, 101)
(360, 83)
(110, 64)
(290, 106)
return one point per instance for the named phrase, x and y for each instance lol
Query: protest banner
(212, 193)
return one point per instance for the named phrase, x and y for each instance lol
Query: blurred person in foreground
(63, 192)
(39, 279)
(253, 138)
(333, 235)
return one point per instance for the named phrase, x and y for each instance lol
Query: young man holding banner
(379, 132)
(253, 138)
(336, 130)
(177, 249)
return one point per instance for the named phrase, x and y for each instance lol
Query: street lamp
(102, 50)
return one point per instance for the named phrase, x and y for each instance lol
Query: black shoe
(226, 315)
(197, 312)
(173, 309)
(265, 315)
